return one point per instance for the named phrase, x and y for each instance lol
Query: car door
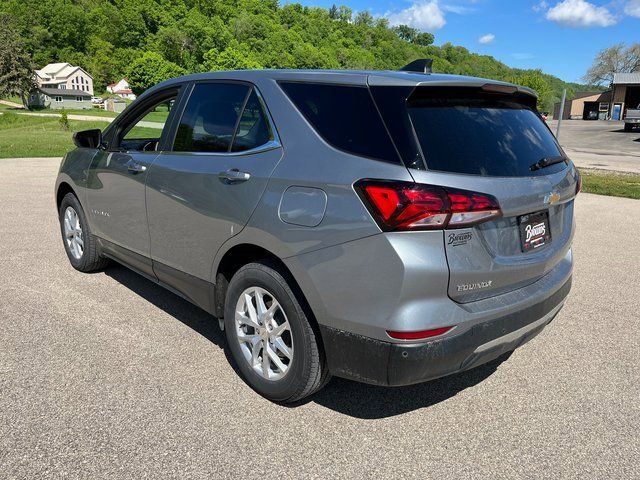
(118, 175)
(203, 191)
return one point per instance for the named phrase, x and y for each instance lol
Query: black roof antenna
(422, 65)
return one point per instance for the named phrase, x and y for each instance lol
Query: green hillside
(148, 40)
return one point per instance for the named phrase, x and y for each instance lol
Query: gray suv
(387, 227)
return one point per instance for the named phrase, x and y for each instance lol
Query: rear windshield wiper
(546, 161)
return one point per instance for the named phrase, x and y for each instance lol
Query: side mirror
(88, 138)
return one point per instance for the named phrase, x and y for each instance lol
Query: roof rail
(422, 65)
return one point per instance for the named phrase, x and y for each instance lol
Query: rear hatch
(492, 141)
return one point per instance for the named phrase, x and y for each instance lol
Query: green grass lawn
(25, 136)
(613, 184)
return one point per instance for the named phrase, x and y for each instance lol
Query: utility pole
(564, 97)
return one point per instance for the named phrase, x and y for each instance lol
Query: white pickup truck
(632, 119)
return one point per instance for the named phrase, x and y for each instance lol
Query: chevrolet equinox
(389, 227)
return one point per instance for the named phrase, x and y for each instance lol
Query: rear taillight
(413, 206)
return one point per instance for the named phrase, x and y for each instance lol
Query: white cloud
(424, 15)
(540, 7)
(488, 38)
(632, 8)
(459, 9)
(580, 13)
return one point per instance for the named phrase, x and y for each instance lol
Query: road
(109, 376)
(600, 144)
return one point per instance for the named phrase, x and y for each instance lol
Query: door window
(253, 129)
(211, 117)
(144, 133)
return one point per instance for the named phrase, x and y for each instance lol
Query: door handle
(234, 176)
(135, 167)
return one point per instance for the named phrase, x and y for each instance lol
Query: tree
(234, 57)
(616, 59)
(16, 66)
(406, 33)
(536, 82)
(413, 35)
(424, 39)
(149, 70)
(364, 18)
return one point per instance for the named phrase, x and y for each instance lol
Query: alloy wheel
(264, 333)
(73, 233)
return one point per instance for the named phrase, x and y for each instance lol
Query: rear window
(345, 117)
(480, 134)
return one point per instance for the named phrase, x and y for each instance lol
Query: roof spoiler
(422, 65)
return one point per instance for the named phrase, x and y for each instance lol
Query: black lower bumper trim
(368, 360)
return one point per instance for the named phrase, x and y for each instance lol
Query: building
(122, 89)
(58, 98)
(64, 76)
(585, 106)
(626, 94)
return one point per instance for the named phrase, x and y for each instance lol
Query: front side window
(144, 133)
(211, 117)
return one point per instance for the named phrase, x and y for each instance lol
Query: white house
(122, 89)
(64, 76)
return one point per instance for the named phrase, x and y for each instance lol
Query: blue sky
(559, 36)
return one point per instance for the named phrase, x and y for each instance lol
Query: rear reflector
(411, 206)
(420, 335)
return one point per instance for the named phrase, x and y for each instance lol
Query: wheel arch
(244, 253)
(63, 189)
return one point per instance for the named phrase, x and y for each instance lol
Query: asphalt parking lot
(600, 144)
(109, 376)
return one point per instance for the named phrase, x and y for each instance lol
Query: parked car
(97, 100)
(632, 118)
(387, 227)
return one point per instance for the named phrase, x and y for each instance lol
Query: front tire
(270, 337)
(628, 127)
(79, 243)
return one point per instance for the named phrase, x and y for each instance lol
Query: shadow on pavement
(343, 396)
(372, 402)
(179, 308)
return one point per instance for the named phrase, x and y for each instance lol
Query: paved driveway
(110, 376)
(600, 144)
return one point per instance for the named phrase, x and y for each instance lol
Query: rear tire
(628, 127)
(270, 337)
(81, 246)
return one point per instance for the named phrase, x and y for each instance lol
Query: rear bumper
(369, 360)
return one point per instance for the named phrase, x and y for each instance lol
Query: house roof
(124, 91)
(579, 95)
(53, 68)
(58, 71)
(69, 92)
(626, 77)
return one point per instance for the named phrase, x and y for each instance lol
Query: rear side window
(210, 117)
(480, 134)
(254, 129)
(345, 117)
